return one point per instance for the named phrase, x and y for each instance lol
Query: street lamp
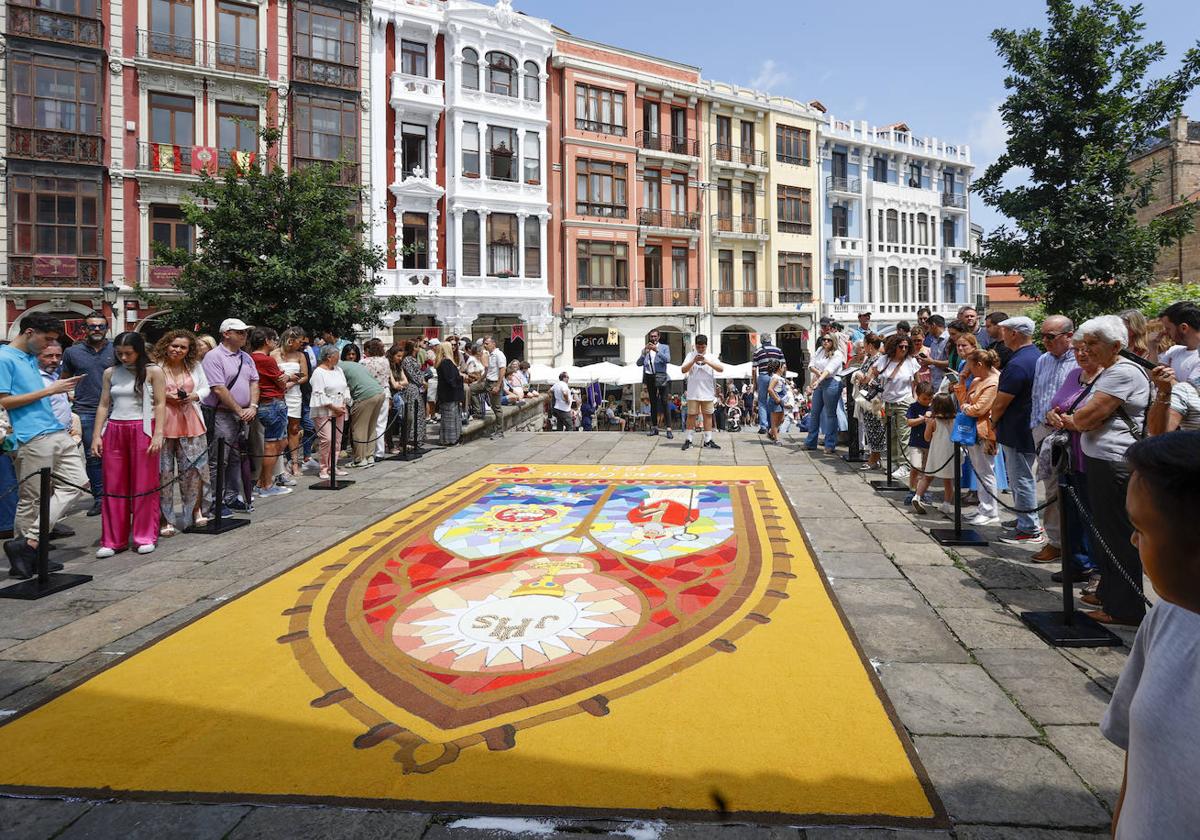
(111, 292)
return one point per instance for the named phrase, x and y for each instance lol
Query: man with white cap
(230, 407)
(1011, 414)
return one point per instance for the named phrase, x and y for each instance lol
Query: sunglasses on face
(1051, 336)
(97, 327)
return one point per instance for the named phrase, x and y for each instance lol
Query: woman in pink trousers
(128, 437)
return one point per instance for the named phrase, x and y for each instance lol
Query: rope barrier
(1085, 515)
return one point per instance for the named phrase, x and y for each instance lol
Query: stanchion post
(44, 583)
(333, 483)
(888, 485)
(1068, 628)
(956, 535)
(854, 451)
(219, 523)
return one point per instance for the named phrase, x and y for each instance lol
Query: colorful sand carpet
(572, 639)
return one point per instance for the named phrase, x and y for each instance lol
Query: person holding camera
(653, 362)
(701, 370)
(185, 443)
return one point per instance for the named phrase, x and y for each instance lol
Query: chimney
(1179, 128)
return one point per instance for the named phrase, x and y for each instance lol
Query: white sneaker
(311, 465)
(285, 480)
(101, 553)
(146, 549)
(981, 519)
(947, 508)
(273, 491)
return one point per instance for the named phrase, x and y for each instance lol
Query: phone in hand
(182, 395)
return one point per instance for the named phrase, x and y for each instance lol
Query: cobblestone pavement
(1005, 725)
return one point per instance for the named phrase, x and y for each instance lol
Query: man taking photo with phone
(41, 439)
(701, 372)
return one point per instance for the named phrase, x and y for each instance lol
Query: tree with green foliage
(277, 248)
(1080, 105)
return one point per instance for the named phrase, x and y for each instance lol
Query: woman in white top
(128, 436)
(330, 403)
(826, 390)
(897, 369)
(292, 361)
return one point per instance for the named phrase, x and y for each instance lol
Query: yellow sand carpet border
(939, 818)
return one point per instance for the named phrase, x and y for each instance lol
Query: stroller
(733, 418)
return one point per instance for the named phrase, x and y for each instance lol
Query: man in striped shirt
(766, 352)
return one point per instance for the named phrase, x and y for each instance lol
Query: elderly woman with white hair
(1109, 422)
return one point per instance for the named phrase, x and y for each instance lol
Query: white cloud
(770, 76)
(988, 136)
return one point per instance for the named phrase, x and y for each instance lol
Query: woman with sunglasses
(825, 390)
(896, 368)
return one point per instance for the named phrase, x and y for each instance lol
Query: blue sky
(926, 62)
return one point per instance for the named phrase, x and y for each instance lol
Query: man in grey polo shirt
(230, 407)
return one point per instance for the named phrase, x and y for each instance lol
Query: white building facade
(896, 221)
(460, 195)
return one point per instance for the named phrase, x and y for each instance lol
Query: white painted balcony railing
(902, 309)
(410, 90)
(501, 283)
(953, 255)
(408, 281)
(842, 246)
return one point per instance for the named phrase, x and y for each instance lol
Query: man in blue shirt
(653, 362)
(41, 440)
(938, 344)
(766, 352)
(92, 356)
(1011, 415)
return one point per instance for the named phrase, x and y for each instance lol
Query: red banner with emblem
(518, 332)
(55, 266)
(242, 161)
(166, 157)
(76, 328)
(204, 159)
(430, 332)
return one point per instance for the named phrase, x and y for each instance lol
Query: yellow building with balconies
(760, 230)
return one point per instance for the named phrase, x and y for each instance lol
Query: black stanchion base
(32, 589)
(1083, 631)
(948, 536)
(851, 458)
(339, 484)
(227, 523)
(882, 486)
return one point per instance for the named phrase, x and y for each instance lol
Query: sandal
(167, 531)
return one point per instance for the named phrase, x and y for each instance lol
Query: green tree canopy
(1080, 104)
(279, 249)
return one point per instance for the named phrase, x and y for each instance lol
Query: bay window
(603, 270)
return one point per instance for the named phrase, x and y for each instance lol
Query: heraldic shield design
(530, 598)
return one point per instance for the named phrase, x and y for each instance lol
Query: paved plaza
(1005, 726)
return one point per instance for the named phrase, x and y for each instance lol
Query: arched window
(923, 285)
(893, 226)
(533, 85)
(893, 283)
(501, 74)
(470, 69)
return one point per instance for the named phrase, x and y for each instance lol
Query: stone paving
(1005, 725)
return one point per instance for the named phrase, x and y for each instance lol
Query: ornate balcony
(207, 55)
(668, 219)
(846, 186)
(844, 246)
(169, 160)
(739, 227)
(668, 297)
(41, 144)
(668, 143)
(418, 92)
(742, 299)
(954, 200)
(800, 296)
(953, 255)
(54, 26)
(738, 156)
(328, 73)
(55, 272)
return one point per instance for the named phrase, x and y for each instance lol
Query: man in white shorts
(700, 370)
